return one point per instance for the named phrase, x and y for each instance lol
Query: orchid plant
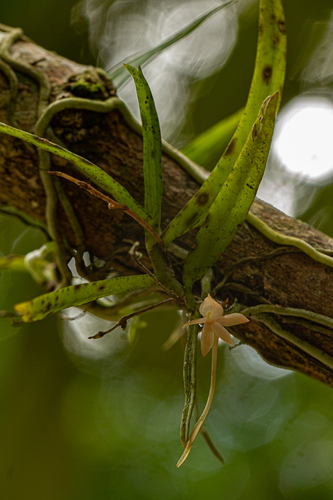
(214, 324)
(217, 209)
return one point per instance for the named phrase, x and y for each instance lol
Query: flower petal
(199, 321)
(233, 319)
(211, 308)
(221, 332)
(207, 339)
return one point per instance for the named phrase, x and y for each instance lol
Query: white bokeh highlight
(303, 140)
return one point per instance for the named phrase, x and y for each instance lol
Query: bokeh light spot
(303, 140)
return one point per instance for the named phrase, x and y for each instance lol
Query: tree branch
(286, 279)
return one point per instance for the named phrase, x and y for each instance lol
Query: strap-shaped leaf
(235, 198)
(76, 295)
(119, 75)
(208, 145)
(89, 169)
(268, 78)
(152, 146)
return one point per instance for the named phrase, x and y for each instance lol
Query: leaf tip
(23, 308)
(130, 69)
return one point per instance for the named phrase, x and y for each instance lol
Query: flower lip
(211, 309)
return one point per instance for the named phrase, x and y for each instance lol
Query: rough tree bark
(288, 280)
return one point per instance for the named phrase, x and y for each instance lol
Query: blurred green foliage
(75, 425)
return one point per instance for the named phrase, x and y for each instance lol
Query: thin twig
(123, 321)
(112, 204)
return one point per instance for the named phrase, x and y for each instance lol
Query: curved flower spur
(214, 328)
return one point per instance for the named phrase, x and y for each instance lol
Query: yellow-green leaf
(209, 145)
(233, 202)
(76, 295)
(152, 146)
(268, 78)
(89, 169)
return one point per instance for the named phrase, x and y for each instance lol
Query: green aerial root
(282, 239)
(190, 380)
(315, 352)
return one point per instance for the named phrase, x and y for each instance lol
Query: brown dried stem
(112, 204)
(123, 321)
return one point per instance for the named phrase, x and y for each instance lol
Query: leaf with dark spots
(233, 202)
(191, 220)
(208, 145)
(231, 147)
(267, 74)
(282, 26)
(77, 295)
(203, 199)
(152, 149)
(88, 169)
(268, 78)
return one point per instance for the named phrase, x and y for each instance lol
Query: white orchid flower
(213, 329)
(214, 323)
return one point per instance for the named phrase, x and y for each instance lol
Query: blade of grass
(120, 76)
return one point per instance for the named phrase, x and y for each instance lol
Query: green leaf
(76, 295)
(268, 78)
(119, 75)
(13, 263)
(210, 144)
(89, 169)
(235, 198)
(152, 146)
